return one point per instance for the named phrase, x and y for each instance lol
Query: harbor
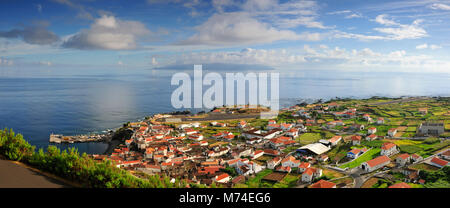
(59, 138)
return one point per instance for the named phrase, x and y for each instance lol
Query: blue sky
(410, 36)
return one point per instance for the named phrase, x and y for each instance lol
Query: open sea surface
(37, 106)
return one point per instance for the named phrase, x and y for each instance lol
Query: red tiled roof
(309, 171)
(439, 161)
(378, 160)
(357, 138)
(388, 145)
(304, 165)
(222, 176)
(404, 156)
(323, 184)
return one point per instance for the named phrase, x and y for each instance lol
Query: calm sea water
(37, 106)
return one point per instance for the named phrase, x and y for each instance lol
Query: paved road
(13, 175)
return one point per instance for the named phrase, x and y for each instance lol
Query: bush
(431, 140)
(79, 168)
(410, 148)
(13, 146)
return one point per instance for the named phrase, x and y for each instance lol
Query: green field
(308, 138)
(365, 157)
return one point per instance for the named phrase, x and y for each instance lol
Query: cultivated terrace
(371, 143)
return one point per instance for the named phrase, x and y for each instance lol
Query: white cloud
(439, 6)
(245, 56)
(435, 47)
(423, 46)
(382, 20)
(236, 28)
(109, 33)
(395, 31)
(353, 16)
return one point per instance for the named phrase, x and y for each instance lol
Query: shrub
(431, 140)
(71, 165)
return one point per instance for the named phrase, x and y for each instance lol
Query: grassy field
(365, 157)
(255, 181)
(308, 138)
(289, 181)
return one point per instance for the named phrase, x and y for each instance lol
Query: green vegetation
(75, 167)
(365, 157)
(255, 182)
(308, 138)
(436, 179)
(289, 181)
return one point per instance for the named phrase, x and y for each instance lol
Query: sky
(285, 35)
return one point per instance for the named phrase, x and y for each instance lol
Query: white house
(392, 132)
(375, 163)
(292, 132)
(223, 178)
(388, 149)
(273, 163)
(303, 166)
(290, 161)
(355, 153)
(402, 159)
(380, 120)
(335, 140)
(356, 140)
(371, 137)
(372, 130)
(257, 153)
(310, 174)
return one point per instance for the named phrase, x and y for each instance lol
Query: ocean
(37, 105)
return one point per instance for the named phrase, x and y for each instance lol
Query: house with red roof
(392, 132)
(292, 132)
(257, 153)
(286, 169)
(323, 184)
(371, 130)
(356, 140)
(309, 174)
(366, 117)
(388, 149)
(222, 178)
(242, 124)
(273, 126)
(415, 157)
(355, 153)
(403, 159)
(371, 137)
(271, 164)
(438, 162)
(303, 166)
(272, 122)
(375, 163)
(335, 140)
(290, 161)
(380, 120)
